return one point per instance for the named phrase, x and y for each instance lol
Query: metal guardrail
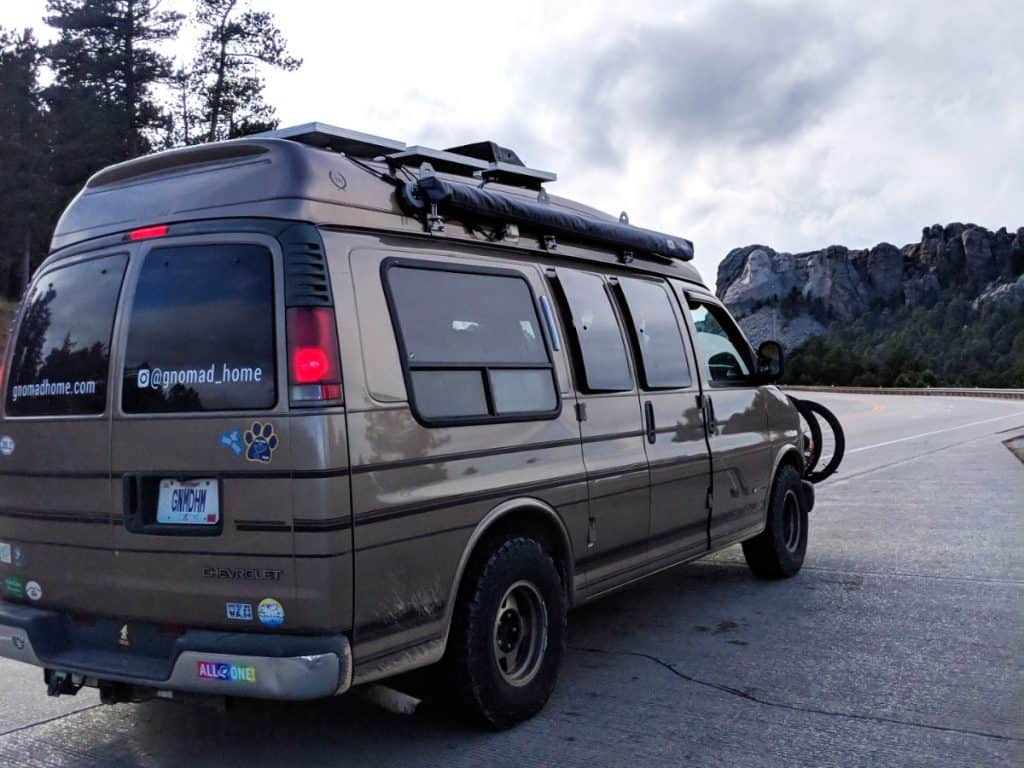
(1004, 394)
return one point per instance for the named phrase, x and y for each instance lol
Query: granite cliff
(794, 296)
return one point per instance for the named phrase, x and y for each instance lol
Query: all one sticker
(6, 445)
(234, 673)
(271, 612)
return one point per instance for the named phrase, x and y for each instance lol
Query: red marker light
(147, 233)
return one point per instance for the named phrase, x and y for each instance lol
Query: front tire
(778, 552)
(508, 635)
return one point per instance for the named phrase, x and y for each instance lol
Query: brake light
(147, 233)
(314, 367)
(309, 365)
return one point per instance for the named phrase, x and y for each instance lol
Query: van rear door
(55, 502)
(201, 448)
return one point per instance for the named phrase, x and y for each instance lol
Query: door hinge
(581, 411)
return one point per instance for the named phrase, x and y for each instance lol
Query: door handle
(709, 416)
(652, 429)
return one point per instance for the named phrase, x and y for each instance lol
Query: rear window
(62, 354)
(201, 331)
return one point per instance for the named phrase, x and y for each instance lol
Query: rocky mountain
(792, 297)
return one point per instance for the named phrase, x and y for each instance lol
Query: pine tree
(106, 65)
(235, 42)
(24, 192)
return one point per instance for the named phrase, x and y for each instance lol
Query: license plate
(188, 502)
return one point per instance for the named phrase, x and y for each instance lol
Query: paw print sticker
(261, 442)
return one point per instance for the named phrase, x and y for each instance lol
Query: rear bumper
(198, 661)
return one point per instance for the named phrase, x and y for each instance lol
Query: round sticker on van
(6, 445)
(271, 612)
(34, 591)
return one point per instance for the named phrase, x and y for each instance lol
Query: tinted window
(719, 348)
(62, 355)
(466, 317)
(440, 394)
(201, 331)
(599, 338)
(518, 391)
(472, 344)
(656, 332)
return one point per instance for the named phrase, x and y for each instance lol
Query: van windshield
(62, 354)
(201, 331)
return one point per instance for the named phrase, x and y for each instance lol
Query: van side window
(62, 355)
(596, 329)
(656, 334)
(201, 331)
(720, 345)
(471, 344)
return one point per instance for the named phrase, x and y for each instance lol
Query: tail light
(314, 367)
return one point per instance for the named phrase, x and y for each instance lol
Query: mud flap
(807, 494)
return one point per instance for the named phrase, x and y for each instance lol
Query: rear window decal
(47, 388)
(214, 374)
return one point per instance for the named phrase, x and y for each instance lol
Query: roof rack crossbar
(473, 202)
(440, 160)
(332, 137)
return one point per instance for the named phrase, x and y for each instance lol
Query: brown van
(293, 413)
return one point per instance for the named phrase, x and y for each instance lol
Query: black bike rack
(814, 414)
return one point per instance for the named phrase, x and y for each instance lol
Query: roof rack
(484, 160)
(504, 165)
(440, 160)
(338, 139)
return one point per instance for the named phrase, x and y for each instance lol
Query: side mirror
(769, 362)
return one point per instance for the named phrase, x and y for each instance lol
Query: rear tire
(508, 635)
(778, 552)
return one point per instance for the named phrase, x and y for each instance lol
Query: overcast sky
(794, 124)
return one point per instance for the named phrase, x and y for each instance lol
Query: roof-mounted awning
(468, 202)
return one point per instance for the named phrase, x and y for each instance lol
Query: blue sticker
(239, 611)
(233, 440)
(271, 612)
(19, 557)
(261, 442)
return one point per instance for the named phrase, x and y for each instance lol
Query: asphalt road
(899, 644)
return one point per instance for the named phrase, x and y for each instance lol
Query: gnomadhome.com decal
(47, 388)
